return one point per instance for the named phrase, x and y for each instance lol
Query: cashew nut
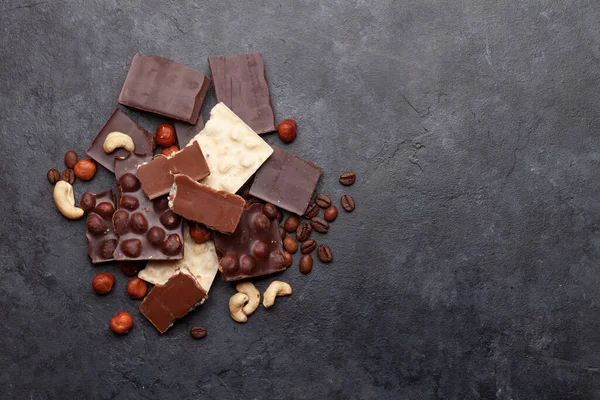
(253, 295)
(65, 200)
(276, 288)
(115, 140)
(236, 303)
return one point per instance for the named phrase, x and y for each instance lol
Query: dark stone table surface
(470, 268)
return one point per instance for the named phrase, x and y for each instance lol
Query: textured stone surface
(469, 269)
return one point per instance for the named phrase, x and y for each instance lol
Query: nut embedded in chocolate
(121, 222)
(129, 183)
(172, 244)
(53, 176)
(87, 201)
(129, 202)
(277, 259)
(261, 222)
(319, 224)
(108, 248)
(105, 209)
(229, 263)
(169, 219)
(270, 211)
(160, 204)
(132, 247)
(95, 224)
(303, 232)
(260, 249)
(156, 236)
(247, 264)
(323, 201)
(308, 246)
(139, 223)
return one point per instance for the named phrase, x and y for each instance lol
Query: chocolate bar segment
(119, 122)
(165, 87)
(186, 132)
(241, 83)
(287, 181)
(172, 300)
(216, 209)
(102, 240)
(156, 176)
(254, 249)
(147, 229)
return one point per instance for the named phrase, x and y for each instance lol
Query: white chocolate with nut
(253, 294)
(233, 151)
(236, 305)
(65, 200)
(275, 289)
(116, 140)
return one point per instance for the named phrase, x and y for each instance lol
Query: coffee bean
(319, 225)
(68, 175)
(53, 176)
(270, 211)
(324, 253)
(308, 246)
(290, 244)
(312, 211)
(291, 223)
(303, 232)
(330, 213)
(347, 202)
(71, 159)
(287, 259)
(198, 332)
(282, 232)
(323, 201)
(306, 263)
(347, 178)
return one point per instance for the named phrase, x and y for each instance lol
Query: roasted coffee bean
(68, 175)
(312, 211)
(291, 223)
(330, 213)
(347, 178)
(282, 232)
(71, 159)
(88, 201)
(347, 202)
(53, 176)
(172, 244)
(270, 211)
(319, 225)
(306, 263)
(324, 253)
(323, 201)
(156, 236)
(132, 248)
(303, 232)
(198, 332)
(290, 244)
(308, 246)
(288, 259)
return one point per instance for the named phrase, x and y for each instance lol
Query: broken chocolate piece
(287, 181)
(156, 176)
(216, 209)
(241, 83)
(102, 240)
(186, 132)
(172, 300)
(165, 87)
(119, 122)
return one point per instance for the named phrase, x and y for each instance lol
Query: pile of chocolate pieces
(175, 219)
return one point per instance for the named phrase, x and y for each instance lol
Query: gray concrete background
(469, 270)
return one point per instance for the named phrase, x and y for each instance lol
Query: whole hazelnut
(103, 282)
(137, 288)
(121, 323)
(287, 130)
(71, 159)
(168, 151)
(165, 135)
(85, 169)
(199, 233)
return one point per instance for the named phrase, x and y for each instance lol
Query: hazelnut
(121, 323)
(85, 169)
(199, 233)
(287, 130)
(71, 159)
(168, 151)
(165, 135)
(53, 176)
(103, 282)
(137, 288)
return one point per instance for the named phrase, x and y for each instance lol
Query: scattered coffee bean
(308, 246)
(323, 201)
(347, 178)
(306, 263)
(287, 259)
(312, 211)
(347, 202)
(319, 225)
(290, 244)
(303, 232)
(270, 211)
(71, 159)
(198, 332)
(68, 175)
(282, 232)
(330, 213)
(53, 176)
(291, 223)
(324, 253)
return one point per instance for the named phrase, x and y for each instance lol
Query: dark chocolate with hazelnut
(102, 240)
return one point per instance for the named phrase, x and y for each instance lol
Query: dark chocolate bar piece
(186, 132)
(241, 83)
(216, 209)
(102, 240)
(147, 229)
(119, 122)
(254, 249)
(287, 181)
(172, 300)
(165, 87)
(156, 176)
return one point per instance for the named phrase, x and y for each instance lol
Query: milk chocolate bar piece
(156, 176)
(241, 83)
(216, 209)
(119, 122)
(165, 87)
(172, 300)
(100, 235)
